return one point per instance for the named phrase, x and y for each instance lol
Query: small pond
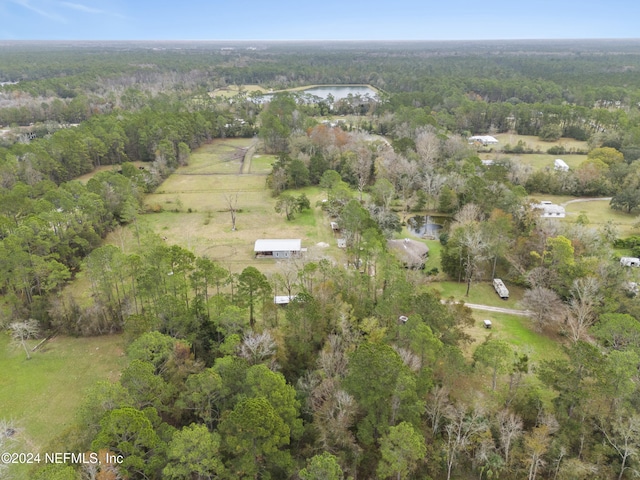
(426, 226)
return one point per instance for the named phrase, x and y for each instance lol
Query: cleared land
(195, 212)
(570, 145)
(539, 160)
(40, 396)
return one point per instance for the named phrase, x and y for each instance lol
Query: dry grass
(41, 395)
(539, 161)
(206, 230)
(570, 144)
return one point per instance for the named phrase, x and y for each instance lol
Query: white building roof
(550, 210)
(283, 299)
(278, 245)
(484, 139)
(561, 165)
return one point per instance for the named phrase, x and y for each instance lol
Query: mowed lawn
(41, 396)
(481, 293)
(518, 331)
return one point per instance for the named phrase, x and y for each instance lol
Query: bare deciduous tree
(536, 444)
(545, 306)
(22, 331)
(463, 426)
(436, 405)
(582, 306)
(510, 428)
(624, 436)
(232, 202)
(257, 347)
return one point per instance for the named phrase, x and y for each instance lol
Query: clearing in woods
(193, 210)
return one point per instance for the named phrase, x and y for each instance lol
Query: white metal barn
(483, 139)
(277, 248)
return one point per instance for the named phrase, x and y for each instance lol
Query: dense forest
(363, 375)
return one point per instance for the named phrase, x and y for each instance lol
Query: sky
(317, 20)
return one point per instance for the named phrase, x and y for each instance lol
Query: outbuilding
(630, 262)
(550, 210)
(483, 139)
(278, 248)
(560, 165)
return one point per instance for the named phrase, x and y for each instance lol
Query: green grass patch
(262, 164)
(599, 212)
(481, 293)
(41, 395)
(539, 161)
(570, 145)
(517, 331)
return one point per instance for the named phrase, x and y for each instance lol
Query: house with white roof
(549, 209)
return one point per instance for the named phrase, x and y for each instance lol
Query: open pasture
(40, 396)
(542, 161)
(570, 145)
(193, 211)
(221, 156)
(599, 212)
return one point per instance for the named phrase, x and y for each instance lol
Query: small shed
(278, 248)
(630, 262)
(487, 323)
(411, 253)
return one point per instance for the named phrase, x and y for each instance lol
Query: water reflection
(427, 226)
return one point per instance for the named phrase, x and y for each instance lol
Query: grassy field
(519, 333)
(195, 213)
(40, 396)
(261, 164)
(599, 212)
(570, 145)
(480, 292)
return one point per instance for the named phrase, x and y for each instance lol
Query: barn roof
(278, 245)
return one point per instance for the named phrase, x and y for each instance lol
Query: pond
(338, 92)
(426, 226)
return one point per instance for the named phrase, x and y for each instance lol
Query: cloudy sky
(324, 20)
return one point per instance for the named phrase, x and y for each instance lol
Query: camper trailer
(500, 289)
